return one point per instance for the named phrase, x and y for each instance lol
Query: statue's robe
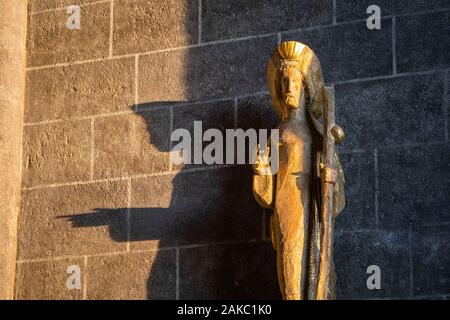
(294, 193)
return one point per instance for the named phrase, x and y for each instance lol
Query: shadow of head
(190, 121)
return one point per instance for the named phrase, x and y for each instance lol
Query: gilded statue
(307, 191)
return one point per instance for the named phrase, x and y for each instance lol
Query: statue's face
(291, 85)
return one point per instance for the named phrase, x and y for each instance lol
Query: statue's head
(294, 78)
(291, 84)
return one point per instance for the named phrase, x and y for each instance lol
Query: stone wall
(13, 17)
(100, 192)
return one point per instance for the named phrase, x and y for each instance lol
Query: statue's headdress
(298, 55)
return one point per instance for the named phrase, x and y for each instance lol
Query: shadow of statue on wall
(208, 213)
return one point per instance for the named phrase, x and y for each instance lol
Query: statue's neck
(297, 115)
(293, 114)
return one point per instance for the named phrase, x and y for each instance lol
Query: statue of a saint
(307, 192)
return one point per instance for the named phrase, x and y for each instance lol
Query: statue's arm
(263, 189)
(263, 179)
(335, 175)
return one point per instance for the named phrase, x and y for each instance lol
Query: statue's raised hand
(262, 164)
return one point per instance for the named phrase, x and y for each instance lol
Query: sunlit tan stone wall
(12, 84)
